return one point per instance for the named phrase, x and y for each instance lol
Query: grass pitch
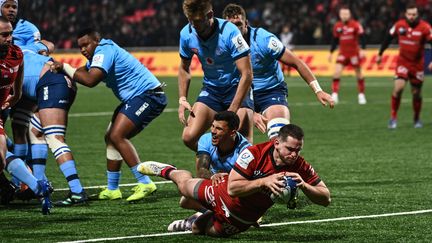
(368, 169)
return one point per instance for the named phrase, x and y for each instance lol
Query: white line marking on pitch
(312, 103)
(102, 186)
(264, 225)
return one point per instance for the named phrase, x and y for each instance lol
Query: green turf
(369, 170)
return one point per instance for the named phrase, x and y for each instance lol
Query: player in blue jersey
(52, 94)
(269, 88)
(24, 32)
(224, 56)
(142, 97)
(216, 155)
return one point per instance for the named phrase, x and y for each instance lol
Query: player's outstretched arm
(239, 186)
(184, 79)
(318, 194)
(89, 78)
(289, 58)
(245, 68)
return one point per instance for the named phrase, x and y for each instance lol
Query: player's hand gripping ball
(289, 194)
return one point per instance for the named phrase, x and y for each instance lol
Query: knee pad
(58, 148)
(35, 125)
(274, 125)
(112, 153)
(21, 116)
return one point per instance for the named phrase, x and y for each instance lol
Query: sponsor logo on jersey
(6, 86)
(98, 60)
(245, 158)
(240, 43)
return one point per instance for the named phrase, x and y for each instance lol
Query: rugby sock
(140, 177)
(9, 144)
(17, 168)
(417, 104)
(335, 85)
(20, 150)
(39, 154)
(361, 85)
(113, 178)
(70, 172)
(395, 103)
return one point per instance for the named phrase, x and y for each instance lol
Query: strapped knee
(112, 153)
(274, 125)
(35, 125)
(58, 148)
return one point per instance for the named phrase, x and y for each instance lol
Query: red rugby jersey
(348, 34)
(256, 162)
(9, 67)
(411, 40)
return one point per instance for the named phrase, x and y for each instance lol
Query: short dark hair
(411, 5)
(230, 117)
(196, 7)
(232, 10)
(3, 19)
(90, 31)
(292, 131)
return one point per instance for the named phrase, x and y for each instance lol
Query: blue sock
(9, 144)
(140, 177)
(20, 151)
(39, 154)
(113, 178)
(18, 169)
(70, 172)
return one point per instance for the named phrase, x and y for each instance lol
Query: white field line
(312, 103)
(266, 225)
(103, 186)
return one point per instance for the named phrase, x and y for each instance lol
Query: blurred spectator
(158, 22)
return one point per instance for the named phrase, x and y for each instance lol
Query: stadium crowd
(146, 23)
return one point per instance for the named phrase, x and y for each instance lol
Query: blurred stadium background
(369, 169)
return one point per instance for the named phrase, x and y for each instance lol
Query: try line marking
(264, 225)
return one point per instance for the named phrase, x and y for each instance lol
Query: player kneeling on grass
(243, 196)
(217, 152)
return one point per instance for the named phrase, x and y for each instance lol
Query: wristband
(315, 86)
(69, 70)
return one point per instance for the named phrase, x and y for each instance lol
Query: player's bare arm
(239, 186)
(203, 166)
(184, 79)
(245, 68)
(318, 194)
(290, 59)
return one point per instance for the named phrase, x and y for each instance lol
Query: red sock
(335, 85)
(395, 103)
(166, 171)
(417, 104)
(361, 85)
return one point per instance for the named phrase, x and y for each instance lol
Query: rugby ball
(289, 194)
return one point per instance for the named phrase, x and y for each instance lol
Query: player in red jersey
(11, 75)
(412, 34)
(244, 195)
(347, 32)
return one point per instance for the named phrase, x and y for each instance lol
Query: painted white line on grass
(102, 186)
(312, 103)
(264, 225)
